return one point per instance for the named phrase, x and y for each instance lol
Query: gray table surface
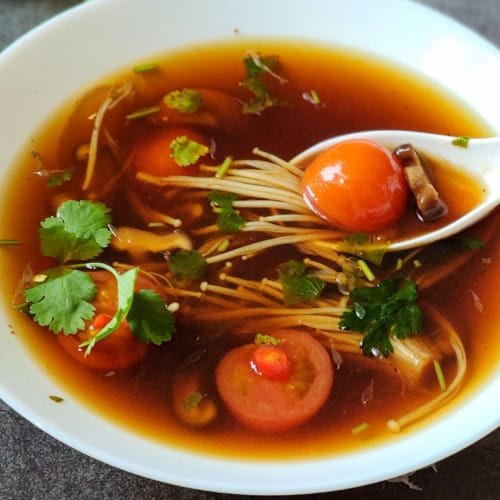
(37, 467)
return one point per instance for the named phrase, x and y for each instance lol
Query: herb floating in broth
(297, 284)
(257, 67)
(61, 297)
(184, 101)
(144, 67)
(228, 219)
(187, 264)
(387, 309)
(224, 294)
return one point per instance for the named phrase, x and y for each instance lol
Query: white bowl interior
(90, 41)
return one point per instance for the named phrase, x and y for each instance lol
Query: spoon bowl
(479, 158)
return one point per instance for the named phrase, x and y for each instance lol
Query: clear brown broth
(357, 92)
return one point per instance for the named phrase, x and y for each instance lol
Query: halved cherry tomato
(119, 350)
(357, 185)
(268, 404)
(153, 154)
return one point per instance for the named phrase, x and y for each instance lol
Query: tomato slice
(268, 403)
(357, 185)
(153, 155)
(119, 350)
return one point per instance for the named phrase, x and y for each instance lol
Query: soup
(234, 296)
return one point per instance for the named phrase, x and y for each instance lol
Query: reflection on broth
(245, 324)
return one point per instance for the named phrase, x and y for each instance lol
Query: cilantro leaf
(264, 339)
(58, 178)
(187, 264)
(258, 64)
(149, 319)
(262, 98)
(298, 285)
(389, 308)
(191, 401)
(62, 300)
(472, 243)
(79, 231)
(186, 152)
(362, 245)
(462, 141)
(186, 101)
(228, 220)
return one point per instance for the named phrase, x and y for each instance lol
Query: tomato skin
(153, 154)
(271, 405)
(119, 350)
(357, 185)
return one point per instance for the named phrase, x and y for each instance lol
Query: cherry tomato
(267, 403)
(357, 185)
(119, 350)
(153, 154)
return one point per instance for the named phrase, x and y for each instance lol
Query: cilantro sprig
(298, 284)
(185, 101)
(228, 219)
(60, 297)
(57, 178)
(256, 66)
(264, 339)
(187, 264)
(365, 246)
(186, 152)
(79, 231)
(61, 301)
(148, 318)
(388, 309)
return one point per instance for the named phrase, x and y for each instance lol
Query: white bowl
(75, 49)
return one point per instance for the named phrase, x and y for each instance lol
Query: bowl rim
(436, 37)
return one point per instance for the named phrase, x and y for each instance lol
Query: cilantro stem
(315, 97)
(224, 244)
(126, 286)
(360, 428)
(440, 375)
(141, 113)
(10, 242)
(142, 68)
(366, 270)
(225, 166)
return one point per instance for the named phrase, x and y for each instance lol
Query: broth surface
(356, 93)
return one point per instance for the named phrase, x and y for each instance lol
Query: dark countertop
(35, 466)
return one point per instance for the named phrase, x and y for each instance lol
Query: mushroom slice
(429, 203)
(138, 243)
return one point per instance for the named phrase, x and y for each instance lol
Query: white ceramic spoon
(481, 159)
